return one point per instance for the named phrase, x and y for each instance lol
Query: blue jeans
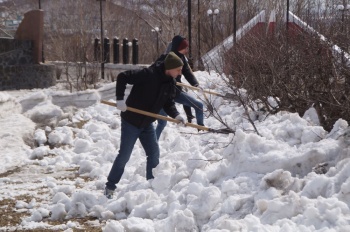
(184, 99)
(129, 135)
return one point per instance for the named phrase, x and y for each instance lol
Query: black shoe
(189, 118)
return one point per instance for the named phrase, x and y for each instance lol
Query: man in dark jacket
(153, 89)
(179, 45)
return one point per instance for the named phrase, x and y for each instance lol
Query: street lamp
(234, 20)
(211, 14)
(157, 30)
(102, 50)
(199, 32)
(189, 19)
(42, 44)
(343, 8)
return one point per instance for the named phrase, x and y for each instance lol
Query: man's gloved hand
(181, 119)
(121, 105)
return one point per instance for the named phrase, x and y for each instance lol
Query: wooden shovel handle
(158, 116)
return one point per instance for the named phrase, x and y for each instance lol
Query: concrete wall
(20, 58)
(26, 76)
(15, 52)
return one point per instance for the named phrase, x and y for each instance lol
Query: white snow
(204, 182)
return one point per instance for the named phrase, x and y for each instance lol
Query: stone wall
(15, 52)
(27, 76)
(17, 70)
(20, 58)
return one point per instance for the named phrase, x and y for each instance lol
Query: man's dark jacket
(152, 90)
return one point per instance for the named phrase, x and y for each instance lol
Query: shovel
(158, 116)
(226, 96)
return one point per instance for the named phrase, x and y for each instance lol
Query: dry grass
(12, 217)
(9, 216)
(10, 172)
(80, 124)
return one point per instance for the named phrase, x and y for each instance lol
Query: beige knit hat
(172, 61)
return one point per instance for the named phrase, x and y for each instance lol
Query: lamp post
(234, 20)
(211, 14)
(343, 8)
(102, 36)
(199, 32)
(42, 44)
(157, 30)
(287, 15)
(189, 19)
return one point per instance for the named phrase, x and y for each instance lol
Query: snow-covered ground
(55, 160)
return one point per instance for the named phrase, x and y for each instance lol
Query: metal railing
(9, 36)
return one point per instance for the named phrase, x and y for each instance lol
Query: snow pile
(294, 177)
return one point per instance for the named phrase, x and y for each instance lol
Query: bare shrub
(91, 77)
(58, 72)
(290, 72)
